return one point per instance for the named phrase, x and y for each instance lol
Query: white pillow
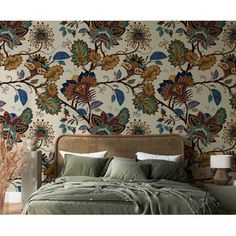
(91, 154)
(148, 156)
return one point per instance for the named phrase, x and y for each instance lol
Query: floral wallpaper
(120, 77)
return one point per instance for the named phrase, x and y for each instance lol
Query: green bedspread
(83, 195)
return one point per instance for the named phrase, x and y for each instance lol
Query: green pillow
(162, 169)
(116, 159)
(127, 170)
(83, 166)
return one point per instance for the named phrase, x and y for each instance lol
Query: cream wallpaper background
(120, 78)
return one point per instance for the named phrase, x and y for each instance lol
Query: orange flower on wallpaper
(151, 73)
(53, 74)
(138, 35)
(94, 56)
(229, 35)
(206, 62)
(149, 89)
(12, 62)
(52, 89)
(191, 56)
(109, 62)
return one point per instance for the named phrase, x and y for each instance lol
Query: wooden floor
(12, 208)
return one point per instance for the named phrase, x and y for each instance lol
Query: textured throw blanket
(108, 197)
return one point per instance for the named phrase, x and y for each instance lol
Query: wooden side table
(31, 176)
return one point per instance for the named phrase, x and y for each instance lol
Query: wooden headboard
(119, 145)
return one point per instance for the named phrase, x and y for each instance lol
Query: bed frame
(119, 145)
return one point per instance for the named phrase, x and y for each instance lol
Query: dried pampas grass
(11, 164)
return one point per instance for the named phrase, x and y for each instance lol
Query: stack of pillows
(146, 166)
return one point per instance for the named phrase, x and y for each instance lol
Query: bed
(123, 185)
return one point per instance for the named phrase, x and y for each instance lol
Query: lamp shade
(221, 161)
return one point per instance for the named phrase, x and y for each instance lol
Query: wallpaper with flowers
(120, 77)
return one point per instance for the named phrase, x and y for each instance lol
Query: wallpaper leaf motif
(120, 77)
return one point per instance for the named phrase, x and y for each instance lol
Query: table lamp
(223, 164)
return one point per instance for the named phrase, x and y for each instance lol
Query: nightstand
(31, 175)
(226, 195)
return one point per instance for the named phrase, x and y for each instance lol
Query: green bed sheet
(91, 195)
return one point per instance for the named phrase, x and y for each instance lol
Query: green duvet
(87, 195)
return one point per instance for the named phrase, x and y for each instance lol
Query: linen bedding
(100, 195)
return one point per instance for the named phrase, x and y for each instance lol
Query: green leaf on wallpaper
(228, 81)
(131, 81)
(147, 105)
(176, 52)
(63, 31)
(80, 53)
(160, 127)
(51, 105)
(34, 81)
(123, 116)
(63, 128)
(160, 30)
(220, 116)
(26, 116)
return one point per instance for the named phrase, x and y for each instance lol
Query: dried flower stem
(11, 163)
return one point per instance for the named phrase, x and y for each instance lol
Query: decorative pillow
(127, 170)
(162, 169)
(92, 154)
(108, 170)
(83, 166)
(148, 156)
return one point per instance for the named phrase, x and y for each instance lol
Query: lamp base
(221, 177)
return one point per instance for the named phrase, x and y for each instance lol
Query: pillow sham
(83, 166)
(127, 170)
(148, 156)
(162, 169)
(92, 154)
(108, 167)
